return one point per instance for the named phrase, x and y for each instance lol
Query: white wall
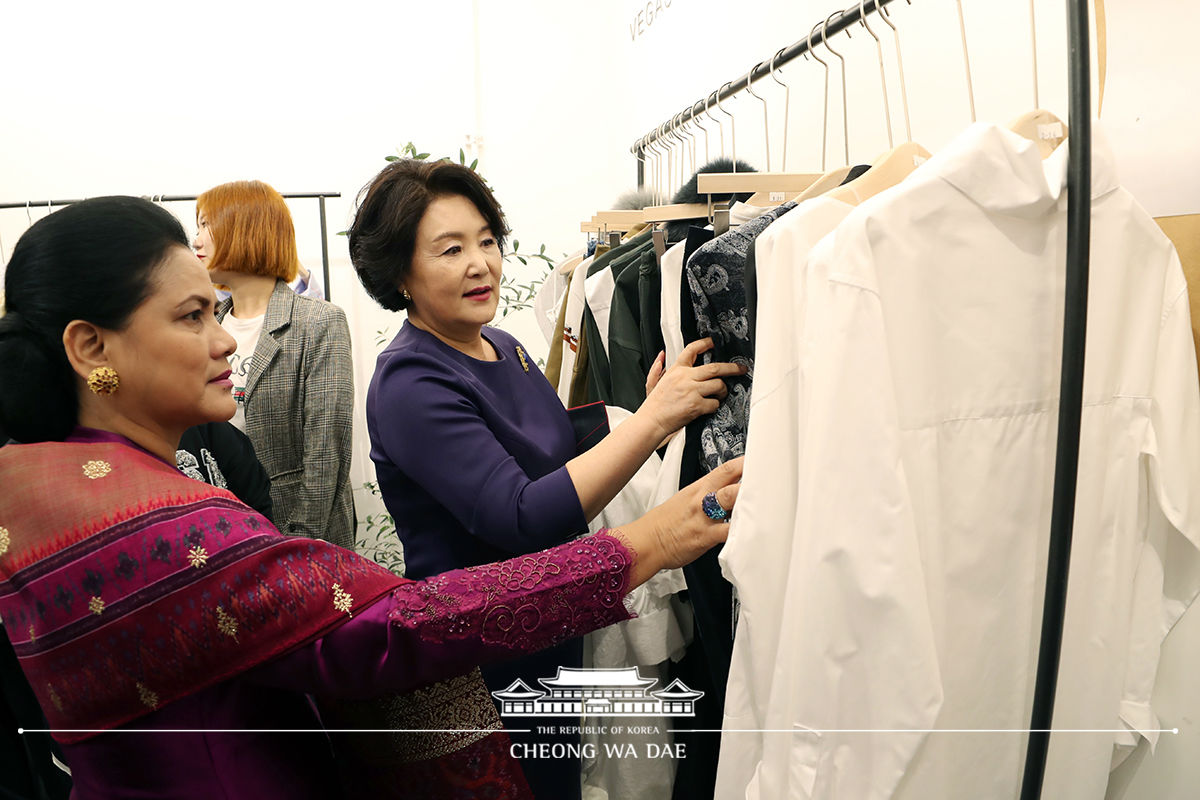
(160, 97)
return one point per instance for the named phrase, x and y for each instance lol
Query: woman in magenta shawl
(166, 628)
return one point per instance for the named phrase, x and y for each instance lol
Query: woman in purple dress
(169, 632)
(475, 454)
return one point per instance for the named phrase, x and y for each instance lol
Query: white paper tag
(776, 197)
(1052, 130)
(919, 160)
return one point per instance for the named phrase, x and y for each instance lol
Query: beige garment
(1184, 233)
(554, 359)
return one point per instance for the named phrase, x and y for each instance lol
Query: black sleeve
(236, 461)
(27, 768)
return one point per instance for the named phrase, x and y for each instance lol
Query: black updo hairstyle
(92, 261)
(383, 235)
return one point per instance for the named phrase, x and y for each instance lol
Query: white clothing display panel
(927, 384)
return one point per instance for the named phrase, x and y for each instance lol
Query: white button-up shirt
(920, 459)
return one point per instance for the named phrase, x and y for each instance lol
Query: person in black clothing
(219, 454)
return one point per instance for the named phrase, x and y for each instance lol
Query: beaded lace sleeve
(430, 630)
(526, 603)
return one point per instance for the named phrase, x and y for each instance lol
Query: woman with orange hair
(292, 372)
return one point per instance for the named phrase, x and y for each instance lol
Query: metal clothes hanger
(689, 135)
(887, 18)
(732, 129)
(886, 171)
(787, 98)
(1042, 127)
(766, 126)
(689, 145)
(887, 111)
(845, 114)
(962, 28)
(825, 106)
(696, 122)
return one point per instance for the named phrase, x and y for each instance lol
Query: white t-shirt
(246, 332)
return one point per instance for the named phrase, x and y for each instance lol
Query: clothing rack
(1066, 468)
(845, 19)
(29, 205)
(1070, 408)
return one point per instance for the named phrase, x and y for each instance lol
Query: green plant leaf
(462, 157)
(422, 156)
(391, 158)
(343, 233)
(474, 164)
(516, 245)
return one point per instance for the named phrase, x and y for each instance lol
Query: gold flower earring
(103, 381)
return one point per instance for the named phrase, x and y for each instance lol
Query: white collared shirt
(755, 557)
(923, 427)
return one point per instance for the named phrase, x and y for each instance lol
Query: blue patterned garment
(716, 277)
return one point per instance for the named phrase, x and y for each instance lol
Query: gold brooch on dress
(148, 697)
(342, 600)
(521, 356)
(198, 556)
(96, 469)
(226, 624)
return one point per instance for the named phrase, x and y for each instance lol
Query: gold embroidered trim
(32, 634)
(96, 604)
(342, 600)
(96, 469)
(226, 624)
(148, 697)
(459, 705)
(54, 698)
(198, 556)
(5, 541)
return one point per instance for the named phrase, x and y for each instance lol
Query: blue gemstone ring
(713, 509)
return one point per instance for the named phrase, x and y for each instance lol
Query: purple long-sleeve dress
(471, 460)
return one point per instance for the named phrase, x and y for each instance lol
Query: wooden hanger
(885, 172)
(830, 180)
(1041, 127)
(675, 211)
(738, 182)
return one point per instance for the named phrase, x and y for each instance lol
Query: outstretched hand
(676, 396)
(678, 532)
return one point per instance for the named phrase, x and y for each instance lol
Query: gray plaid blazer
(300, 413)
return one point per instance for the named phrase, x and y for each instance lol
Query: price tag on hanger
(776, 197)
(1052, 130)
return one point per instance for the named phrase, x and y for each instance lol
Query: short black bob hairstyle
(383, 235)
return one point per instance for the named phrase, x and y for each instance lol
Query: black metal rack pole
(845, 19)
(324, 246)
(180, 198)
(1066, 466)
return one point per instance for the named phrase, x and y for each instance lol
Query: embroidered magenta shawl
(125, 585)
